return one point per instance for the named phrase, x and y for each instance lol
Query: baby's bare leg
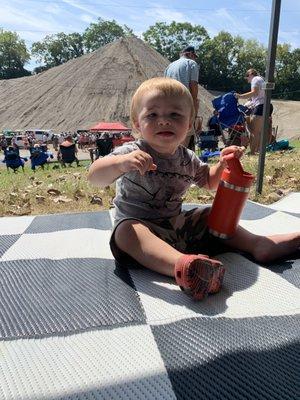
(140, 243)
(198, 274)
(265, 248)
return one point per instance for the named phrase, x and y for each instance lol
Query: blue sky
(34, 19)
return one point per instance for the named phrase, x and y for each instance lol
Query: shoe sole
(199, 276)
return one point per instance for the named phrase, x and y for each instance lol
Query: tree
(58, 49)
(170, 39)
(287, 69)
(225, 59)
(217, 60)
(103, 32)
(251, 54)
(13, 55)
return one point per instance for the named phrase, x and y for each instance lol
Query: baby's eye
(175, 115)
(151, 115)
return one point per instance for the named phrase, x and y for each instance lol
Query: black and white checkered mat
(73, 326)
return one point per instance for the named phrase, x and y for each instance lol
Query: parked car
(41, 134)
(21, 141)
(9, 134)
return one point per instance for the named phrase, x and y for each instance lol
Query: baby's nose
(164, 120)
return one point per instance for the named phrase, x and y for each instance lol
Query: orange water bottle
(230, 199)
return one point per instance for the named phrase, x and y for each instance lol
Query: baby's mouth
(165, 133)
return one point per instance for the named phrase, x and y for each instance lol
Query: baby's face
(163, 121)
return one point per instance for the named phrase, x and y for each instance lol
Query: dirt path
(286, 116)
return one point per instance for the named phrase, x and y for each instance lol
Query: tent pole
(269, 86)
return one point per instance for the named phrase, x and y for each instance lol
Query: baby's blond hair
(167, 87)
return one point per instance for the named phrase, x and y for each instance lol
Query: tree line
(223, 59)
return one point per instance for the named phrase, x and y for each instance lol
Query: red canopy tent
(109, 127)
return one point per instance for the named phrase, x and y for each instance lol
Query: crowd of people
(66, 144)
(35, 147)
(29, 140)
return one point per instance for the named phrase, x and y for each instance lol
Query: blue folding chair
(13, 160)
(231, 117)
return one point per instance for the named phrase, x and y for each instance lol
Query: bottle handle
(234, 164)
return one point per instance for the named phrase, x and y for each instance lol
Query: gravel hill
(92, 88)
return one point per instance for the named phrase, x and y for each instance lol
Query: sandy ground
(286, 117)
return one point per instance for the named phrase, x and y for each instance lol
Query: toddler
(153, 174)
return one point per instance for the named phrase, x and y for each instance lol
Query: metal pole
(273, 35)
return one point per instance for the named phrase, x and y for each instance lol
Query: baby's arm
(215, 171)
(106, 170)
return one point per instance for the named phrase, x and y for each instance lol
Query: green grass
(27, 193)
(295, 144)
(21, 193)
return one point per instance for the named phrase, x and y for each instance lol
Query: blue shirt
(183, 70)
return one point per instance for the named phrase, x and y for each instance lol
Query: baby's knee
(122, 228)
(124, 233)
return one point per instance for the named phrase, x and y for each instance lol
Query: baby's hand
(238, 151)
(137, 160)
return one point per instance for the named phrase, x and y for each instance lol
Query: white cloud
(290, 37)
(87, 18)
(53, 9)
(139, 34)
(255, 5)
(232, 23)
(26, 19)
(82, 6)
(165, 15)
(37, 19)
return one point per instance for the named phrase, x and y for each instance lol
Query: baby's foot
(199, 275)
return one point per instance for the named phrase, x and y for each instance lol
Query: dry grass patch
(281, 176)
(58, 190)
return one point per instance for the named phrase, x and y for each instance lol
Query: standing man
(186, 71)
(256, 106)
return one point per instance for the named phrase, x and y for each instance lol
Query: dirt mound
(286, 117)
(95, 87)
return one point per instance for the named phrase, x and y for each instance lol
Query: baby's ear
(136, 129)
(135, 124)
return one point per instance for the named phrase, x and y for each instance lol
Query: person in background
(3, 143)
(16, 148)
(186, 71)
(214, 124)
(55, 141)
(153, 175)
(256, 107)
(68, 143)
(45, 138)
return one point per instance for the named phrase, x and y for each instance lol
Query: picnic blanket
(73, 326)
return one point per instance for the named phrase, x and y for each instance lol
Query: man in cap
(186, 71)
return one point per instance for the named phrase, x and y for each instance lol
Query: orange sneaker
(199, 275)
